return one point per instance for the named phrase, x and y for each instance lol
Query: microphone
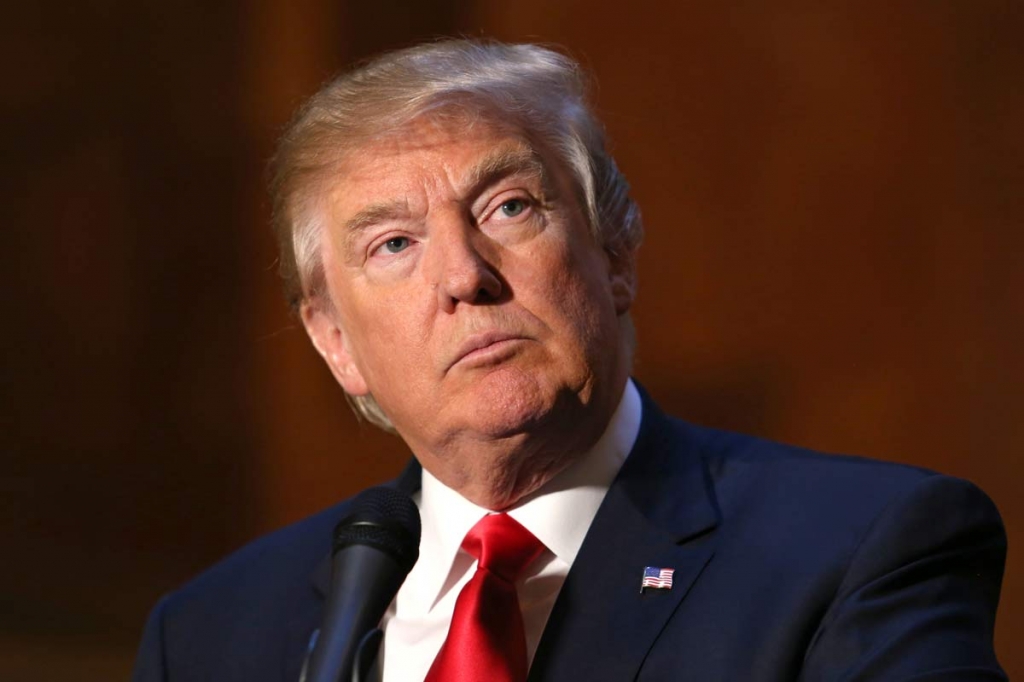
(375, 547)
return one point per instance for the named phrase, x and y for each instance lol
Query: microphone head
(385, 519)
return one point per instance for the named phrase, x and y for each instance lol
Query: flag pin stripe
(657, 578)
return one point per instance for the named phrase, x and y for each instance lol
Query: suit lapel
(657, 513)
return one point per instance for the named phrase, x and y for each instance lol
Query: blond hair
(537, 90)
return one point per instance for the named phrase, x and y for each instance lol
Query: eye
(396, 244)
(512, 208)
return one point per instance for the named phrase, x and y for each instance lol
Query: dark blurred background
(833, 199)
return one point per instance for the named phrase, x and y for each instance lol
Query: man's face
(468, 294)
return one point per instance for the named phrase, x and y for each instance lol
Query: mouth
(487, 348)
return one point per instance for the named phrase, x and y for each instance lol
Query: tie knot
(502, 545)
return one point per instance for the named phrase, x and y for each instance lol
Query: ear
(622, 277)
(329, 339)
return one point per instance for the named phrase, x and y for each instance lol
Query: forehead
(453, 147)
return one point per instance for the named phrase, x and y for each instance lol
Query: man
(460, 247)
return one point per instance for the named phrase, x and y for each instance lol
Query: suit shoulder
(789, 482)
(727, 454)
(259, 600)
(271, 566)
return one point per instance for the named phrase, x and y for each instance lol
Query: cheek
(576, 297)
(385, 338)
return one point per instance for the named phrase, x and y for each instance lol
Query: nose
(460, 273)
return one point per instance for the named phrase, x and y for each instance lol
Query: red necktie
(486, 642)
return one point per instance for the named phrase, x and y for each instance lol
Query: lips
(484, 347)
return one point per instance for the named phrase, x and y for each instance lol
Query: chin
(507, 415)
(509, 403)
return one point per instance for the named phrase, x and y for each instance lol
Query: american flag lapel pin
(657, 578)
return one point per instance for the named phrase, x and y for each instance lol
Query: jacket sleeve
(150, 661)
(918, 599)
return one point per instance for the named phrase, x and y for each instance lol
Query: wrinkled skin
(468, 295)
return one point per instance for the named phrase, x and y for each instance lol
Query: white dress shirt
(558, 514)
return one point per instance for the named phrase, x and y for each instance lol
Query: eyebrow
(500, 164)
(375, 213)
(506, 162)
(370, 216)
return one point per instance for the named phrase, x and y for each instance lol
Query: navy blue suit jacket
(789, 565)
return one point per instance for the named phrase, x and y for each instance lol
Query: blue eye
(513, 207)
(396, 244)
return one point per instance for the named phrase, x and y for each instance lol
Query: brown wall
(834, 227)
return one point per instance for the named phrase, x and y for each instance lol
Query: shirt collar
(558, 514)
